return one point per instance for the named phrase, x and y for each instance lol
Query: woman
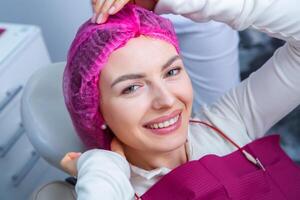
(209, 50)
(144, 103)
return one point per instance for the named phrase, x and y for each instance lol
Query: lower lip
(167, 130)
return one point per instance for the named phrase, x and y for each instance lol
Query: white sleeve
(103, 175)
(274, 90)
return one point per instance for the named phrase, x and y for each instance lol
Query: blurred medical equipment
(45, 116)
(48, 125)
(57, 19)
(22, 51)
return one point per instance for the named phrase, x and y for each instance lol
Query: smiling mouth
(164, 121)
(163, 124)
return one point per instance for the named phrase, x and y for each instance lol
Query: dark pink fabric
(233, 177)
(87, 56)
(2, 31)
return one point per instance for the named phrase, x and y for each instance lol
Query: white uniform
(245, 113)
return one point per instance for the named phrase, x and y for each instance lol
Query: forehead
(138, 55)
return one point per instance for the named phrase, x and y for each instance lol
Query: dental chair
(49, 127)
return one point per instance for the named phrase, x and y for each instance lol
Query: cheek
(184, 91)
(120, 113)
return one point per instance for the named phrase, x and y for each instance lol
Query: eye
(173, 72)
(130, 89)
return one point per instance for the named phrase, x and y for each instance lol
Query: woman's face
(146, 96)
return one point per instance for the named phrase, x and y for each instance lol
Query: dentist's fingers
(94, 4)
(103, 15)
(101, 18)
(103, 8)
(97, 6)
(108, 4)
(117, 6)
(69, 162)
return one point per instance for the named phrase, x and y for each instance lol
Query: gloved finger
(104, 18)
(101, 18)
(107, 5)
(94, 3)
(69, 163)
(117, 6)
(74, 155)
(97, 6)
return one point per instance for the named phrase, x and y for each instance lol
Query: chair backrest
(45, 117)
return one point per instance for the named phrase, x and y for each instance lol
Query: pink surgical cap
(88, 54)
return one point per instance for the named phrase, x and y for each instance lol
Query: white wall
(58, 19)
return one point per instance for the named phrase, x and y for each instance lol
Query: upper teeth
(165, 123)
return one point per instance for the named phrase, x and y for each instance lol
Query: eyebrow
(138, 76)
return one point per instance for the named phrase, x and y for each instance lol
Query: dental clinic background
(58, 20)
(37, 33)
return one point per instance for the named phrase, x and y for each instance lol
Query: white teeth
(165, 123)
(172, 121)
(160, 125)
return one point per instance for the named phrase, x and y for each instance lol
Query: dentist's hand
(103, 8)
(69, 161)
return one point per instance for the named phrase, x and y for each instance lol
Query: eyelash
(130, 89)
(178, 69)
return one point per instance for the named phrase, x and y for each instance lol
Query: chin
(170, 143)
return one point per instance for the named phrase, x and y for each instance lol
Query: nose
(162, 97)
